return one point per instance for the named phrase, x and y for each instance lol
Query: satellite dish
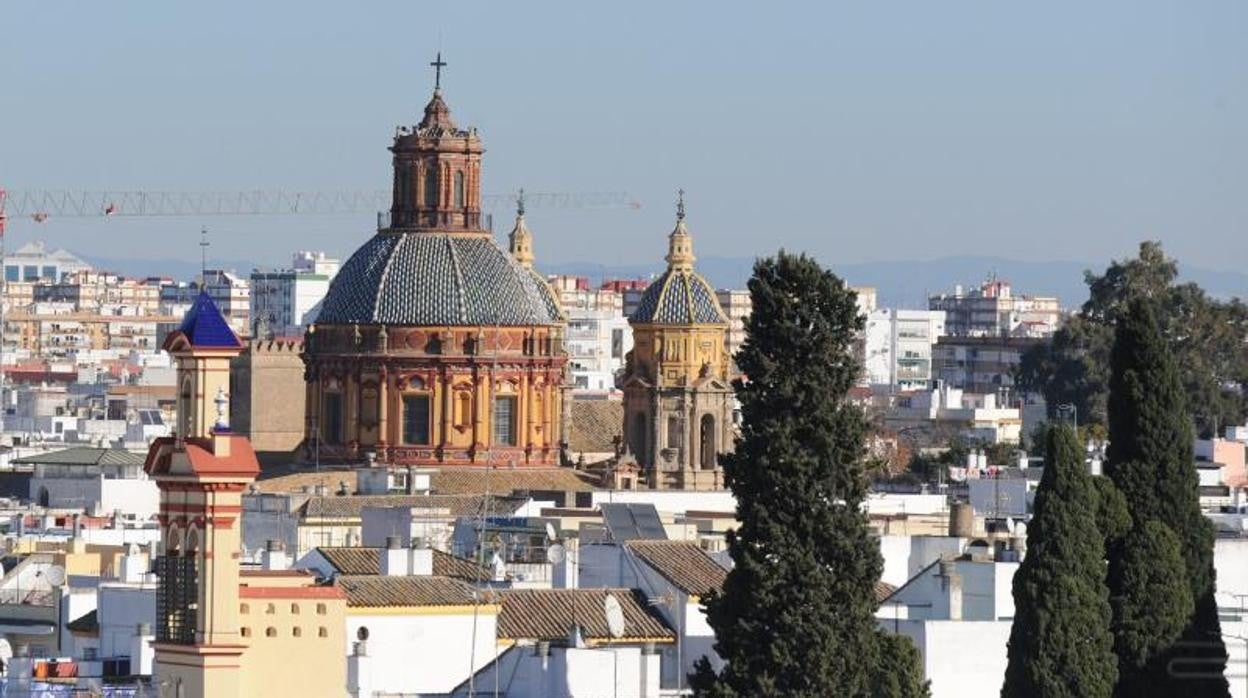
(556, 554)
(615, 616)
(6, 650)
(55, 575)
(551, 534)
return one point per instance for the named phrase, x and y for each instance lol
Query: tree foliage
(1150, 461)
(1060, 643)
(1206, 336)
(796, 613)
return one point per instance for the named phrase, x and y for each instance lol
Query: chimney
(951, 584)
(274, 557)
(422, 558)
(359, 671)
(394, 559)
(411, 480)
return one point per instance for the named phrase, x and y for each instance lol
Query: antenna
(615, 616)
(203, 256)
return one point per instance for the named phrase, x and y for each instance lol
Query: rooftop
(352, 506)
(550, 614)
(683, 564)
(84, 455)
(372, 591)
(367, 561)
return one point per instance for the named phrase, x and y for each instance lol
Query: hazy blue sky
(857, 130)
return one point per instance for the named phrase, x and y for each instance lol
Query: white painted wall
(122, 607)
(672, 502)
(962, 659)
(422, 654)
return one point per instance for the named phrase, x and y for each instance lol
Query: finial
(680, 204)
(203, 255)
(222, 402)
(438, 64)
(520, 202)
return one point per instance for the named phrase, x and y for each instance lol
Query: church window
(416, 419)
(176, 594)
(331, 423)
(707, 442)
(431, 187)
(505, 420)
(463, 408)
(459, 189)
(639, 434)
(674, 436)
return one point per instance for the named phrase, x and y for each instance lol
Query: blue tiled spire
(204, 326)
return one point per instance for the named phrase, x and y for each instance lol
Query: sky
(858, 131)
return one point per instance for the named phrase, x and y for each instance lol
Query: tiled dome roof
(427, 279)
(679, 298)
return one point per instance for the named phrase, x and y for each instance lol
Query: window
(244, 608)
(12, 273)
(459, 189)
(321, 610)
(30, 272)
(297, 631)
(617, 344)
(505, 420)
(270, 609)
(294, 609)
(322, 631)
(415, 419)
(270, 632)
(246, 631)
(49, 273)
(673, 432)
(431, 188)
(463, 409)
(331, 420)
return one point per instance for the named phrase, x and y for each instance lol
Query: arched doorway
(706, 442)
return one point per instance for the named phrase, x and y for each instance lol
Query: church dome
(679, 298)
(430, 279)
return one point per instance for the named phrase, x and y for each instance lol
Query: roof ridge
(385, 274)
(460, 301)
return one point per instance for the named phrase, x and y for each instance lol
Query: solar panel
(633, 522)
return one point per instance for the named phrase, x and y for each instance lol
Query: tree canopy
(1206, 336)
(796, 613)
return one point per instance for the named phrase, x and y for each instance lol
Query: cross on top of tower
(680, 204)
(438, 64)
(520, 203)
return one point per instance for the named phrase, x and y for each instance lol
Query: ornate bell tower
(202, 472)
(678, 399)
(437, 171)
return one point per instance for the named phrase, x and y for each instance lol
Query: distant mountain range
(903, 284)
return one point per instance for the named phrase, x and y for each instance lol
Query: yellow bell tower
(202, 472)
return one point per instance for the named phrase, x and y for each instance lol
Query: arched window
(245, 631)
(459, 189)
(638, 436)
(270, 632)
(321, 609)
(294, 609)
(244, 608)
(322, 631)
(270, 609)
(706, 442)
(297, 631)
(431, 187)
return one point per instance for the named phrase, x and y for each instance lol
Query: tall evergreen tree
(1150, 461)
(796, 614)
(1060, 642)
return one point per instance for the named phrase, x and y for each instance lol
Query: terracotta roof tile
(374, 591)
(682, 563)
(595, 425)
(367, 561)
(352, 506)
(549, 614)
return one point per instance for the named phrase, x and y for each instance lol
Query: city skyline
(901, 126)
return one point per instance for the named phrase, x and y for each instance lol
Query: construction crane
(41, 206)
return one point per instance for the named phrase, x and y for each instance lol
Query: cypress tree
(796, 613)
(1150, 461)
(1060, 642)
